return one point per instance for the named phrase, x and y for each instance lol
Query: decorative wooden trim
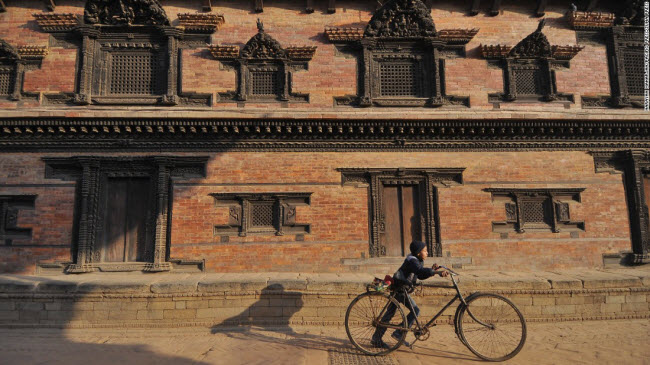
(429, 181)
(200, 23)
(348, 34)
(457, 36)
(51, 23)
(262, 54)
(497, 51)
(240, 211)
(90, 172)
(552, 201)
(9, 207)
(581, 20)
(91, 134)
(634, 164)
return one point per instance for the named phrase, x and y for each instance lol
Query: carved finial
(260, 26)
(541, 25)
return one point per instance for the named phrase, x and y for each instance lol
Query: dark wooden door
(402, 216)
(646, 193)
(125, 220)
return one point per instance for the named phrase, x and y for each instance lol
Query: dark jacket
(413, 269)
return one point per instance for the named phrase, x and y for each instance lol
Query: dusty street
(594, 342)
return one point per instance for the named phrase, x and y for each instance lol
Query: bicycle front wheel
(365, 328)
(492, 327)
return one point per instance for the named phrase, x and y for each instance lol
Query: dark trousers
(390, 312)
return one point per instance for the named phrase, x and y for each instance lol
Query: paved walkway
(594, 342)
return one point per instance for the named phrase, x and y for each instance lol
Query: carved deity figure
(262, 46)
(125, 12)
(401, 18)
(534, 45)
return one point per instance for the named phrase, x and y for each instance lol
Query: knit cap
(417, 246)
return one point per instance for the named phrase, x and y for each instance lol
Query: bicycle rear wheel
(492, 327)
(363, 320)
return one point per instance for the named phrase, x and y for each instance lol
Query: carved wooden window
(129, 54)
(125, 201)
(265, 214)
(136, 73)
(634, 71)
(529, 68)
(13, 64)
(401, 57)
(264, 69)
(7, 79)
(400, 78)
(536, 209)
(10, 205)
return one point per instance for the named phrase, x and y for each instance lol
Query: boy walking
(412, 269)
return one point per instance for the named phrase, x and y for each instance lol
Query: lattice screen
(262, 215)
(6, 82)
(633, 64)
(266, 83)
(135, 73)
(399, 79)
(529, 81)
(535, 212)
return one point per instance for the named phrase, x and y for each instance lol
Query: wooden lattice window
(136, 73)
(536, 209)
(266, 83)
(6, 80)
(529, 81)
(400, 79)
(261, 214)
(634, 71)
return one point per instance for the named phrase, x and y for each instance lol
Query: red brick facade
(339, 214)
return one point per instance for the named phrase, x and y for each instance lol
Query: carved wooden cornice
(457, 36)
(347, 34)
(496, 51)
(224, 52)
(581, 20)
(304, 53)
(49, 22)
(319, 135)
(196, 22)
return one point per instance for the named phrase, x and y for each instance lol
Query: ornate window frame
(13, 64)
(621, 33)
(555, 209)
(241, 208)
(401, 30)
(9, 207)
(91, 173)
(262, 53)
(534, 54)
(429, 181)
(140, 30)
(634, 165)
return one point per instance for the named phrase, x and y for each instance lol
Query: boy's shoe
(396, 336)
(378, 344)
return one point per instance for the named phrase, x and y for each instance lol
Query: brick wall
(339, 214)
(329, 74)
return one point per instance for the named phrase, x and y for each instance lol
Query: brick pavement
(603, 342)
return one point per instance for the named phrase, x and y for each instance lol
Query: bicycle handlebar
(452, 272)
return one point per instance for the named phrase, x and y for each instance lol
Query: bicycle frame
(432, 320)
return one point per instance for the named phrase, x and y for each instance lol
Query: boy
(412, 269)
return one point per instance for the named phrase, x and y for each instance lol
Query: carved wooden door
(646, 194)
(124, 237)
(402, 217)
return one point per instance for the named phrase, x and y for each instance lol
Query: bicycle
(490, 325)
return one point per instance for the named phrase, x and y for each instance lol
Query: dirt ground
(594, 342)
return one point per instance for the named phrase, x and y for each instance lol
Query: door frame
(428, 179)
(91, 174)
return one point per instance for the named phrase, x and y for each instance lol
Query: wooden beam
(309, 8)
(3, 8)
(259, 6)
(331, 6)
(592, 5)
(476, 4)
(496, 7)
(541, 7)
(207, 6)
